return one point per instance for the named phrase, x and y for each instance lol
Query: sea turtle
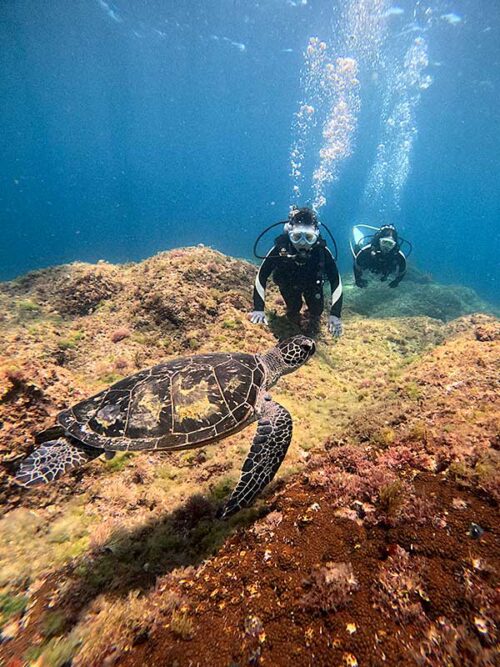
(184, 403)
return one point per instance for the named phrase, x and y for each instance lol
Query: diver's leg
(315, 302)
(293, 300)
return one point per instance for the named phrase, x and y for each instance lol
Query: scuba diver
(299, 261)
(379, 253)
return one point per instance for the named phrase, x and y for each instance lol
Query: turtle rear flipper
(52, 460)
(269, 447)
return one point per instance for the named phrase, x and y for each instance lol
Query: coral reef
(378, 542)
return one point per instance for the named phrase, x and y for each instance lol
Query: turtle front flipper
(270, 444)
(52, 460)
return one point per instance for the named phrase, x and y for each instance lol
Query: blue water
(137, 126)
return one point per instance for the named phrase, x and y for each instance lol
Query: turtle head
(288, 355)
(295, 351)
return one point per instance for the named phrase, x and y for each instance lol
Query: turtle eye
(309, 346)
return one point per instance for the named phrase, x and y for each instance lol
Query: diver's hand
(258, 317)
(335, 326)
(394, 283)
(361, 282)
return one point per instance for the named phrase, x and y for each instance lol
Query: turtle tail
(52, 460)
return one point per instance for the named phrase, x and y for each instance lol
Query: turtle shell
(176, 405)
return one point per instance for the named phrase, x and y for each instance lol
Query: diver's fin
(270, 444)
(52, 460)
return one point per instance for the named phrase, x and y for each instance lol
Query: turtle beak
(309, 346)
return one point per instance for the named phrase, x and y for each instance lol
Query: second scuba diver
(299, 261)
(379, 253)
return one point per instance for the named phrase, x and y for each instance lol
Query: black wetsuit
(383, 264)
(299, 277)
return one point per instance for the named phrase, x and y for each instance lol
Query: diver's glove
(335, 326)
(258, 317)
(361, 282)
(394, 283)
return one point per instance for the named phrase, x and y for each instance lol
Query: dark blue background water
(118, 141)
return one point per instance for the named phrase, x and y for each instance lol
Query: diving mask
(387, 244)
(303, 237)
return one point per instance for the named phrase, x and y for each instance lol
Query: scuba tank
(361, 239)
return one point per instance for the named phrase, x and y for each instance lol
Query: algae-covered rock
(71, 290)
(415, 296)
(178, 289)
(84, 290)
(381, 418)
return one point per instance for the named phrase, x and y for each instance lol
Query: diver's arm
(333, 276)
(400, 270)
(266, 268)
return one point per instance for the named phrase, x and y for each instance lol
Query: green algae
(34, 542)
(223, 488)
(413, 299)
(11, 605)
(119, 461)
(60, 651)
